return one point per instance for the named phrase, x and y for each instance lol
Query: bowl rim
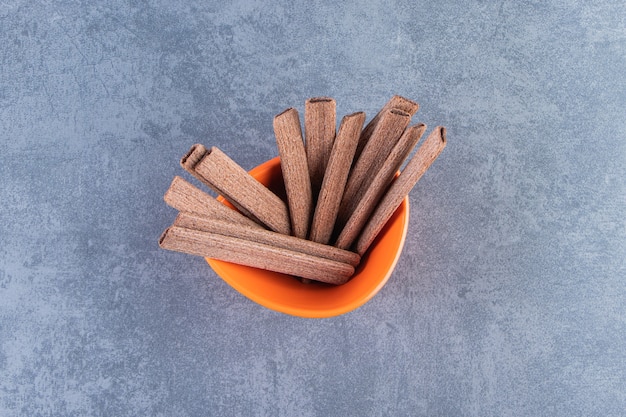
(302, 311)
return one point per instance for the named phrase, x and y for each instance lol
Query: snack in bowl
(282, 220)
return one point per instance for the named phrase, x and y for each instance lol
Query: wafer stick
(335, 177)
(185, 197)
(365, 203)
(293, 163)
(319, 131)
(225, 177)
(384, 137)
(395, 102)
(254, 254)
(205, 224)
(417, 166)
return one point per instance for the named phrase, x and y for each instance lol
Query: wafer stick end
(193, 156)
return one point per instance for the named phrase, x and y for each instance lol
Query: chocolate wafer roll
(293, 163)
(399, 189)
(268, 237)
(395, 102)
(185, 197)
(365, 204)
(335, 177)
(384, 137)
(220, 173)
(254, 254)
(320, 121)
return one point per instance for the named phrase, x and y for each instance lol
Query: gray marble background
(509, 297)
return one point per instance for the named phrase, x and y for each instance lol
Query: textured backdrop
(508, 300)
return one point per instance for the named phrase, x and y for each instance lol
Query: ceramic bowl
(286, 294)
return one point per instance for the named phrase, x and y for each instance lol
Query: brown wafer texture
(338, 184)
(364, 204)
(384, 137)
(207, 224)
(395, 102)
(254, 254)
(335, 177)
(215, 169)
(294, 165)
(320, 120)
(401, 186)
(187, 198)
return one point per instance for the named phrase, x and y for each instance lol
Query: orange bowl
(287, 295)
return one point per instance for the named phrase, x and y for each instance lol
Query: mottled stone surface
(509, 298)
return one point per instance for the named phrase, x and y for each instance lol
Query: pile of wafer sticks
(341, 189)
